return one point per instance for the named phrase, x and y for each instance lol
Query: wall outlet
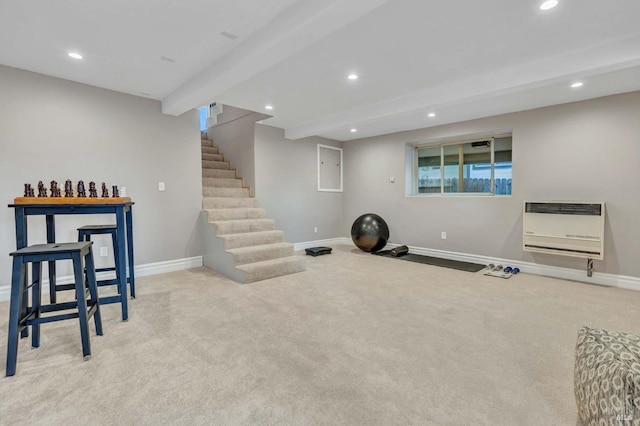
(443, 235)
(160, 186)
(123, 191)
(315, 229)
(104, 251)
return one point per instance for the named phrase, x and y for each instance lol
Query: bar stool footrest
(110, 299)
(62, 287)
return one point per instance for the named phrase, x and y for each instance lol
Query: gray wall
(235, 138)
(581, 151)
(53, 129)
(287, 186)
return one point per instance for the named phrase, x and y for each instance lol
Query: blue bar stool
(85, 233)
(21, 315)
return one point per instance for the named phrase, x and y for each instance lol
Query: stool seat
(21, 316)
(53, 248)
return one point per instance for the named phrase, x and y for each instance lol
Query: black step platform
(317, 251)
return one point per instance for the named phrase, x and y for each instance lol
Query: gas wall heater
(569, 228)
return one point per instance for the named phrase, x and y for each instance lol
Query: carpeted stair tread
(225, 227)
(251, 254)
(204, 142)
(272, 268)
(210, 150)
(215, 164)
(219, 173)
(212, 157)
(228, 203)
(235, 214)
(246, 239)
(221, 182)
(225, 192)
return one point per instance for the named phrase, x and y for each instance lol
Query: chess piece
(27, 190)
(55, 191)
(32, 192)
(93, 192)
(81, 191)
(68, 188)
(105, 191)
(42, 191)
(114, 191)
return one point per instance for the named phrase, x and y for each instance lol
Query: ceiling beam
(605, 58)
(297, 28)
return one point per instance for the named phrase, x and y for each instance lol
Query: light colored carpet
(354, 340)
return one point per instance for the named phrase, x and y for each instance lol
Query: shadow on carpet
(436, 261)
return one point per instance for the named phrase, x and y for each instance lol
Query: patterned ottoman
(607, 377)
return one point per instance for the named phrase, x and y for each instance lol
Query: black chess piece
(81, 191)
(68, 188)
(27, 190)
(114, 191)
(55, 191)
(32, 192)
(105, 191)
(93, 192)
(42, 191)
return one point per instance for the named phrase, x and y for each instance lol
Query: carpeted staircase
(240, 241)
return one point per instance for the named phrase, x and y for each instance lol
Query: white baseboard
(141, 271)
(599, 278)
(168, 266)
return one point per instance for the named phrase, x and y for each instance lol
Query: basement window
(480, 166)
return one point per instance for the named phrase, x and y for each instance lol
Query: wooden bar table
(52, 206)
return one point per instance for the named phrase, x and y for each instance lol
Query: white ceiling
(461, 59)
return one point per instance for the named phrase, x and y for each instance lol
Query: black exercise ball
(370, 232)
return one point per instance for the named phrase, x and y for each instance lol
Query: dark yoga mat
(436, 261)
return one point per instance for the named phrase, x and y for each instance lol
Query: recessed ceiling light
(353, 76)
(74, 55)
(431, 114)
(354, 130)
(549, 4)
(577, 84)
(269, 107)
